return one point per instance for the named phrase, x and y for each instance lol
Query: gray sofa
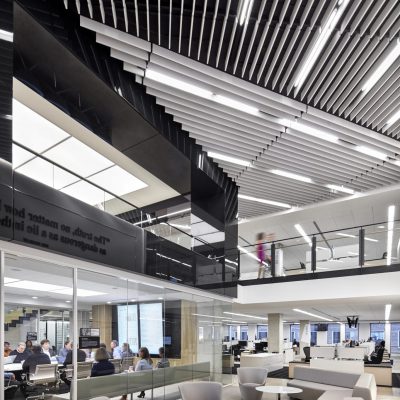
(332, 385)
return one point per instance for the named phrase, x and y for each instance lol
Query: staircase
(17, 317)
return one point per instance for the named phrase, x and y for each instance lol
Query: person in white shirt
(46, 349)
(116, 350)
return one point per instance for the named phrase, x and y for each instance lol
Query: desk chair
(126, 363)
(45, 374)
(306, 351)
(117, 364)
(10, 387)
(84, 370)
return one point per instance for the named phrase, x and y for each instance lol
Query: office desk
(18, 366)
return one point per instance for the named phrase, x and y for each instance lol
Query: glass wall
(295, 332)
(333, 333)
(114, 318)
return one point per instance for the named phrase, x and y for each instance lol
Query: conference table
(18, 366)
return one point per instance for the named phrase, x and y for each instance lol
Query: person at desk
(377, 355)
(64, 351)
(126, 351)
(36, 358)
(46, 348)
(102, 366)
(116, 350)
(145, 363)
(20, 352)
(7, 349)
(68, 359)
(163, 362)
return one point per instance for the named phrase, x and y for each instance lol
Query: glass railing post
(273, 272)
(313, 254)
(361, 247)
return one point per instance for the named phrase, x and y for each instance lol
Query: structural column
(275, 333)
(102, 319)
(342, 332)
(305, 335)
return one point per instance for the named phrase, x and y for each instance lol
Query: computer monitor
(259, 347)
(242, 343)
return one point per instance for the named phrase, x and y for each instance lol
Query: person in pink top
(264, 259)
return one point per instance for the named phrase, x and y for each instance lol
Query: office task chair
(306, 351)
(10, 387)
(249, 378)
(201, 390)
(126, 363)
(45, 374)
(84, 370)
(117, 364)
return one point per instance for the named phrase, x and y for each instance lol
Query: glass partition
(38, 320)
(117, 317)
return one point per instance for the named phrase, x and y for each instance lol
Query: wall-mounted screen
(151, 326)
(128, 330)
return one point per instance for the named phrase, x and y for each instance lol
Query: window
(262, 331)
(243, 332)
(395, 338)
(333, 333)
(313, 334)
(294, 332)
(351, 333)
(377, 332)
(233, 332)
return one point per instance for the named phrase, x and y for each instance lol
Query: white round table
(278, 390)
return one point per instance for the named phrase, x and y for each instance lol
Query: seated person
(102, 366)
(36, 358)
(7, 349)
(377, 355)
(20, 352)
(68, 359)
(46, 349)
(126, 351)
(64, 351)
(163, 362)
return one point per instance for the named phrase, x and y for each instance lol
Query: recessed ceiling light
(309, 130)
(177, 83)
(291, 175)
(382, 68)
(371, 240)
(340, 189)
(160, 298)
(35, 297)
(6, 35)
(245, 11)
(264, 201)
(302, 232)
(238, 105)
(68, 301)
(133, 299)
(229, 159)
(346, 235)
(208, 316)
(371, 152)
(323, 37)
(393, 119)
(311, 314)
(391, 211)
(246, 315)
(381, 226)
(108, 302)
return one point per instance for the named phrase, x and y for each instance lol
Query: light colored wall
(364, 331)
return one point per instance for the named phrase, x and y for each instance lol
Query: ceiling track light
(309, 130)
(371, 152)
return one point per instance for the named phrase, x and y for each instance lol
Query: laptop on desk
(9, 359)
